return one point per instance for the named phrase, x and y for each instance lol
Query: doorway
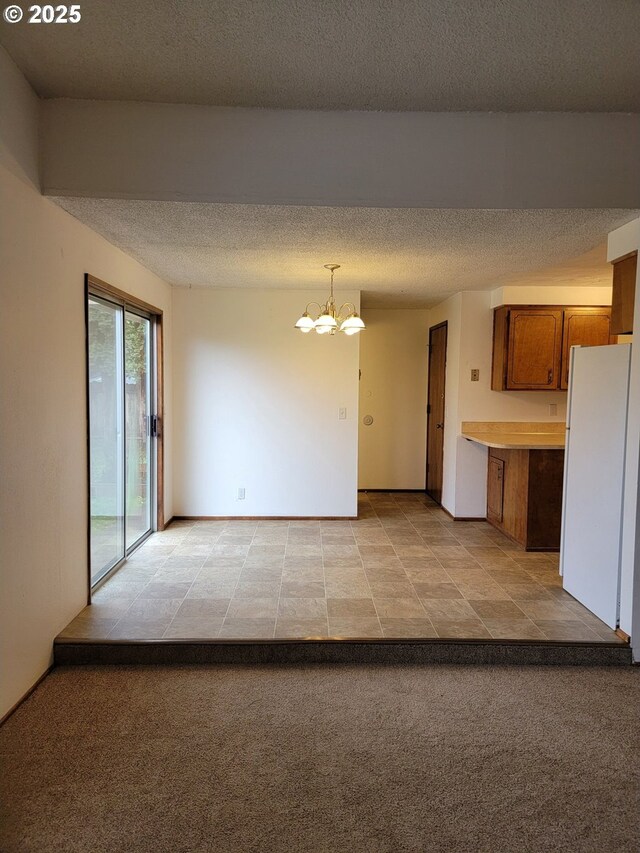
(123, 425)
(435, 410)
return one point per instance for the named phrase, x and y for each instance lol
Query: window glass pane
(138, 438)
(105, 436)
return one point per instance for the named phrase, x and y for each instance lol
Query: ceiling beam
(128, 150)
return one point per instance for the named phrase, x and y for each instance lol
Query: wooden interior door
(585, 327)
(435, 409)
(535, 347)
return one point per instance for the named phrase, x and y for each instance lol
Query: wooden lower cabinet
(524, 496)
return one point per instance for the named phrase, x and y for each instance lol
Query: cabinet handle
(550, 376)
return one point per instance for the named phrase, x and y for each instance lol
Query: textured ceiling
(396, 257)
(506, 55)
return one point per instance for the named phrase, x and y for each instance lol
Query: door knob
(439, 426)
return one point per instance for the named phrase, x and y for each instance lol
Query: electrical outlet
(553, 408)
(342, 414)
(240, 494)
(475, 375)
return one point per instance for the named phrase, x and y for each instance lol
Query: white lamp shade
(352, 325)
(325, 323)
(305, 323)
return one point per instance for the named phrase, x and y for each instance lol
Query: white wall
(111, 149)
(470, 341)
(393, 390)
(256, 407)
(622, 241)
(43, 502)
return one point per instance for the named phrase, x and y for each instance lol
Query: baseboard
(15, 707)
(167, 523)
(393, 491)
(460, 517)
(264, 518)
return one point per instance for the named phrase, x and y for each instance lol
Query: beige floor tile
(159, 589)
(257, 589)
(303, 573)
(345, 575)
(481, 590)
(194, 627)
(386, 574)
(302, 608)
(342, 563)
(221, 561)
(247, 629)
(440, 608)
(343, 607)
(377, 551)
(261, 574)
(416, 627)
(573, 630)
(436, 590)
(117, 588)
(347, 589)
(526, 591)
(184, 575)
(211, 589)
(401, 608)
(430, 576)
(302, 589)
(264, 561)
(292, 563)
(252, 608)
(202, 607)
(513, 629)
(291, 627)
(354, 627)
(545, 610)
(489, 609)
(273, 549)
(392, 589)
(471, 629)
(153, 608)
(300, 549)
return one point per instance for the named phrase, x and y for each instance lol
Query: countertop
(510, 435)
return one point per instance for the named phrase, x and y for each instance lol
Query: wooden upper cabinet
(532, 343)
(534, 347)
(586, 327)
(624, 293)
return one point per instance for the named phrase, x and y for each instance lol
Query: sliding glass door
(120, 361)
(137, 378)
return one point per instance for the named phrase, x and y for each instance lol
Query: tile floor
(403, 569)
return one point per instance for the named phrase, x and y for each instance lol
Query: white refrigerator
(591, 538)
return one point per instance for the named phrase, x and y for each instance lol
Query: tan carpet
(324, 760)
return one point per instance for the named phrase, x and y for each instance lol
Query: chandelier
(331, 319)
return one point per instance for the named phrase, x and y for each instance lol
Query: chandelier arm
(309, 304)
(347, 305)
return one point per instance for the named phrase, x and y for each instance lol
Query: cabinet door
(585, 327)
(535, 347)
(495, 489)
(623, 297)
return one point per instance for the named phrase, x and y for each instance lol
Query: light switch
(241, 494)
(342, 414)
(553, 408)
